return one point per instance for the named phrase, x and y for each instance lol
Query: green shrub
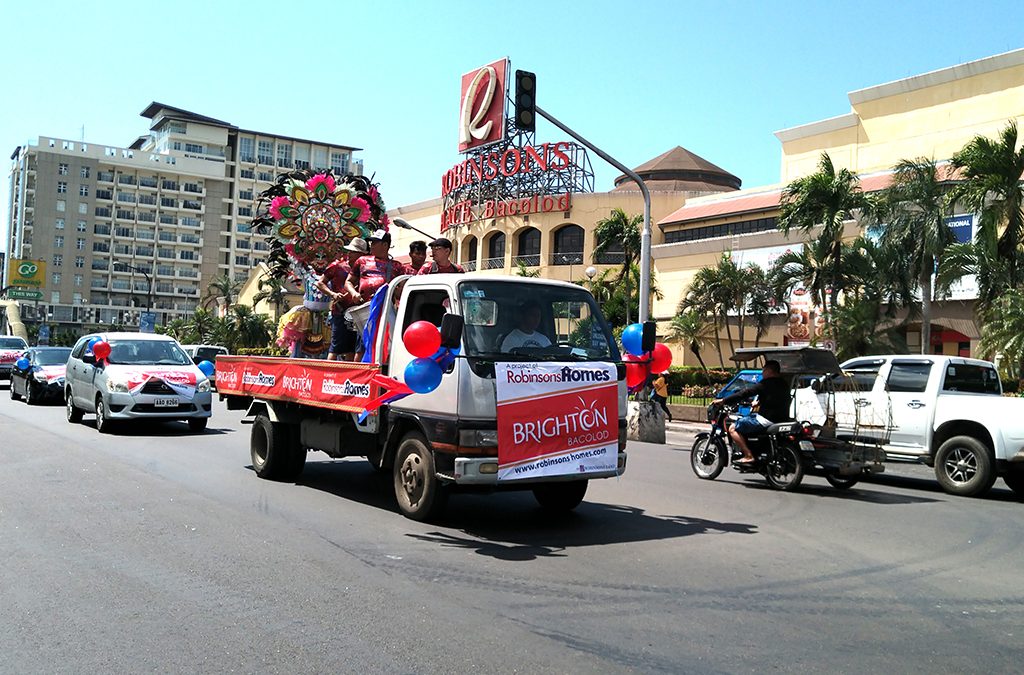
(262, 351)
(680, 377)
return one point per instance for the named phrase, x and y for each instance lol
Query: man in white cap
(332, 284)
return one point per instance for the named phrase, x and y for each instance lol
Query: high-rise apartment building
(152, 223)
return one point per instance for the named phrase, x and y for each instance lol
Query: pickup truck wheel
(274, 456)
(1014, 480)
(963, 466)
(560, 496)
(74, 413)
(420, 495)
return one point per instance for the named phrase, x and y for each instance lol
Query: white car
(11, 349)
(146, 376)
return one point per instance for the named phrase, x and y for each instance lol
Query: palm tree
(273, 291)
(826, 198)
(201, 325)
(619, 232)
(704, 296)
(991, 187)
(524, 271)
(1003, 333)
(915, 208)
(691, 329)
(221, 286)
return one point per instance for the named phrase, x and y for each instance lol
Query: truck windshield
(529, 321)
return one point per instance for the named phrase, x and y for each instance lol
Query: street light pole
(404, 224)
(149, 283)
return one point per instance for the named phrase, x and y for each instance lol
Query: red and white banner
(556, 419)
(52, 373)
(10, 355)
(182, 381)
(338, 385)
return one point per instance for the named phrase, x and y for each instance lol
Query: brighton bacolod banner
(338, 385)
(556, 419)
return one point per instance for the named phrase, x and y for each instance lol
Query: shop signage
(482, 105)
(23, 272)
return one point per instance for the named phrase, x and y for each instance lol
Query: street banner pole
(645, 235)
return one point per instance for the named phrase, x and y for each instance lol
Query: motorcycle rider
(773, 397)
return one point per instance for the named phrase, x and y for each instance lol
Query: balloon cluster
(640, 364)
(423, 340)
(207, 368)
(22, 363)
(100, 348)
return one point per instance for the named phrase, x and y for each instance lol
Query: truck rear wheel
(420, 495)
(274, 456)
(560, 496)
(963, 466)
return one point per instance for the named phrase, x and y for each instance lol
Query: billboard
(23, 273)
(482, 105)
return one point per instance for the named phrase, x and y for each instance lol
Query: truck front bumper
(484, 471)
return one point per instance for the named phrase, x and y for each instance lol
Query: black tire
(74, 413)
(419, 493)
(198, 424)
(1014, 480)
(103, 424)
(10, 386)
(32, 396)
(708, 458)
(964, 466)
(274, 455)
(842, 482)
(785, 471)
(561, 497)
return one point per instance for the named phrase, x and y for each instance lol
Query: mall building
(700, 212)
(150, 223)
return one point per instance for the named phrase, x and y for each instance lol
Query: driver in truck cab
(773, 400)
(525, 334)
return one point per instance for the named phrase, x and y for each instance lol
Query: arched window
(469, 256)
(568, 246)
(495, 259)
(528, 244)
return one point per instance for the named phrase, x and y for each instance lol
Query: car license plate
(807, 446)
(166, 402)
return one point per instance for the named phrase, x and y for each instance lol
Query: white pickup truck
(946, 412)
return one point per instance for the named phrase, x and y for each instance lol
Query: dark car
(44, 377)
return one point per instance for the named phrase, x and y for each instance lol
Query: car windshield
(147, 353)
(53, 357)
(12, 343)
(520, 321)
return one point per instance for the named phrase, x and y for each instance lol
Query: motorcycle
(777, 450)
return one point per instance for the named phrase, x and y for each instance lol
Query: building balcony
(492, 263)
(469, 266)
(567, 258)
(527, 260)
(610, 258)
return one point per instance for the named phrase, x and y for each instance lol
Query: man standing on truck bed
(417, 256)
(372, 271)
(441, 252)
(332, 283)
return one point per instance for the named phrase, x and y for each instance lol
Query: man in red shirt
(332, 284)
(441, 252)
(373, 271)
(417, 256)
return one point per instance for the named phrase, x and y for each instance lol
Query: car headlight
(203, 386)
(117, 387)
(39, 377)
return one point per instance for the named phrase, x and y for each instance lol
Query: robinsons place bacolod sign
(505, 172)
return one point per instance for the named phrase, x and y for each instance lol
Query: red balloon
(422, 339)
(661, 358)
(101, 350)
(636, 370)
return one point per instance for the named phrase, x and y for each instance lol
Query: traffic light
(526, 101)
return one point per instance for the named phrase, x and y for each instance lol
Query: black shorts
(343, 337)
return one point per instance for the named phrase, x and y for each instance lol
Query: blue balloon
(92, 343)
(633, 339)
(22, 363)
(423, 375)
(208, 368)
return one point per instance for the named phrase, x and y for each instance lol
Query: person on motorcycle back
(773, 398)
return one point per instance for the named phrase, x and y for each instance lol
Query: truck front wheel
(420, 495)
(963, 466)
(560, 496)
(274, 456)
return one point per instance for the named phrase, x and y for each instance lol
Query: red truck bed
(336, 385)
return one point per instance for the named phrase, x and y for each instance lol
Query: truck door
(420, 304)
(912, 407)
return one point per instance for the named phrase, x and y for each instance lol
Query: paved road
(160, 550)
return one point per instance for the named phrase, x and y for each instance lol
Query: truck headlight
(478, 438)
(117, 387)
(203, 386)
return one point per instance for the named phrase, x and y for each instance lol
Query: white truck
(943, 411)
(546, 415)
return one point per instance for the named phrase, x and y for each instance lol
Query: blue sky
(636, 78)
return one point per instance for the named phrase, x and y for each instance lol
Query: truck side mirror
(649, 337)
(451, 330)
